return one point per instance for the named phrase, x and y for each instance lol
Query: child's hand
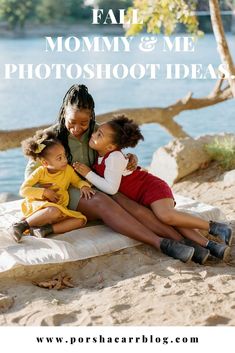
(82, 169)
(50, 195)
(87, 192)
(133, 161)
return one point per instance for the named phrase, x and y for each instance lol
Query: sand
(135, 286)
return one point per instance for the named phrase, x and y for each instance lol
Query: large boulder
(181, 157)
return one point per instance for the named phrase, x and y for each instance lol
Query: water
(27, 103)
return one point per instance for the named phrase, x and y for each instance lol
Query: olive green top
(80, 150)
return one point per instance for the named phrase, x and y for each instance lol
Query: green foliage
(163, 15)
(52, 10)
(16, 12)
(223, 151)
(59, 10)
(114, 5)
(77, 9)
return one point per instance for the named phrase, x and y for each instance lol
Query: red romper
(139, 186)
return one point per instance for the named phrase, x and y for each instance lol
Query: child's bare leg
(44, 216)
(68, 224)
(147, 217)
(194, 235)
(193, 238)
(165, 211)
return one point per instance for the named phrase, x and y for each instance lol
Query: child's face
(102, 140)
(77, 121)
(55, 160)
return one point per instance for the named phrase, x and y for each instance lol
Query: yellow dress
(61, 180)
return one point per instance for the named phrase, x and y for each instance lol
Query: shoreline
(38, 31)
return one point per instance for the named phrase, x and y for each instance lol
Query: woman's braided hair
(79, 97)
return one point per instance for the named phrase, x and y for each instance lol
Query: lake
(26, 103)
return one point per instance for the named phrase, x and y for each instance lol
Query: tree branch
(162, 116)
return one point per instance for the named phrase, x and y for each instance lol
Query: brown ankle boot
(17, 229)
(41, 232)
(221, 230)
(177, 250)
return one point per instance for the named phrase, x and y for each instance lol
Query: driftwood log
(162, 116)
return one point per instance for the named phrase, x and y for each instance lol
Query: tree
(52, 10)
(223, 49)
(78, 9)
(16, 12)
(114, 5)
(162, 116)
(59, 10)
(164, 15)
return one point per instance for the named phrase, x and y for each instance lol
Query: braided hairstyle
(43, 139)
(78, 97)
(126, 132)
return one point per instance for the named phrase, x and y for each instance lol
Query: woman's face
(77, 120)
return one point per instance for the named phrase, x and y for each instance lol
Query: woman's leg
(165, 211)
(147, 217)
(101, 206)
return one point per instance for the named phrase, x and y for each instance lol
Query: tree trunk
(223, 48)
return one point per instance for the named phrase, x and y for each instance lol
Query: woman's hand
(133, 161)
(82, 169)
(50, 195)
(87, 192)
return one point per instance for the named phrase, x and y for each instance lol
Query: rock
(228, 178)
(181, 157)
(6, 302)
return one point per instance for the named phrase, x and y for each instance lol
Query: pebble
(6, 303)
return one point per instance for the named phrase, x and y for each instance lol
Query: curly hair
(31, 146)
(126, 132)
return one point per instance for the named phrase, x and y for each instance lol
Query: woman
(76, 123)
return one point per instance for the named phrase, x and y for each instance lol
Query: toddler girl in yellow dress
(45, 208)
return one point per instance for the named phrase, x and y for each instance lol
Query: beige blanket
(76, 245)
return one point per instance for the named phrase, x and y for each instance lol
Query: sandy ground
(136, 286)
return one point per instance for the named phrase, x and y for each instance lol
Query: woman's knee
(97, 204)
(99, 199)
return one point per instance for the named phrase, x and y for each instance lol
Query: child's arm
(30, 191)
(77, 182)
(115, 164)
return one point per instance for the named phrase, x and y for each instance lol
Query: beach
(135, 286)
